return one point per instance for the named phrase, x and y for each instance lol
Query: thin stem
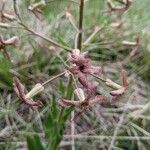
(72, 21)
(35, 33)
(98, 77)
(79, 46)
(45, 38)
(67, 95)
(101, 137)
(96, 30)
(60, 116)
(121, 2)
(6, 54)
(53, 78)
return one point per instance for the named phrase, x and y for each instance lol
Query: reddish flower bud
(83, 102)
(83, 80)
(12, 41)
(68, 103)
(96, 99)
(124, 78)
(118, 92)
(22, 92)
(78, 58)
(91, 90)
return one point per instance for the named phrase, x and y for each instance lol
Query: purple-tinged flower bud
(37, 5)
(10, 17)
(96, 99)
(4, 25)
(124, 78)
(12, 41)
(21, 92)
(118, 92)
(68, 103)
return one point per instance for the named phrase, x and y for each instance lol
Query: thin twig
(96, 30)
(101, 137)
(121, 120)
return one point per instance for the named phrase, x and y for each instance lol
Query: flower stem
(20, 22)
(98, 77)
(5, 53)
(45, 38)
(79, 45)
(53, 78)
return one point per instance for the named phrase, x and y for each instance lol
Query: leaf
(34, 143)
(5, 75)
(61, 87)
(67, 113)
(69, 89)
(54, 110)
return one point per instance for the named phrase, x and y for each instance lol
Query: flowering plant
(77, 86)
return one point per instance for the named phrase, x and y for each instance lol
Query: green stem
(68, 96)
(98, 77)
(53, 78)
(5, 53)
(79, 44)
(45, 38)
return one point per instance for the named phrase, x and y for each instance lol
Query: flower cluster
(87, 95)
(82, 67)
(83, 101)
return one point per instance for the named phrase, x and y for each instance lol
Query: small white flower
(128, 43)
(37, 5)
(80, 94)
(38, 88)
(4, 25)
(67, 73)
(8, 16)
(76, 51)
(112, 84)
